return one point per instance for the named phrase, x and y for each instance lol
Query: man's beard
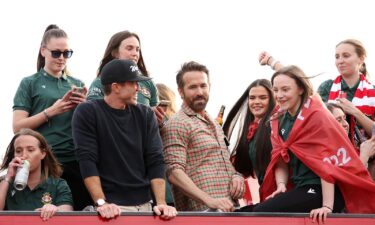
(198, 107)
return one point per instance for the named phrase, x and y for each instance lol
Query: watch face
(100, 202)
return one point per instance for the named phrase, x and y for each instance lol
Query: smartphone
(164, 103)
(78, 89)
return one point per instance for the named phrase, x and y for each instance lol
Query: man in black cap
(118, 146)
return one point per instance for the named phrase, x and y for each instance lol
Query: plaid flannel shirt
(195, 144)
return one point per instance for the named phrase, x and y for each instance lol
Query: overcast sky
(227, 36)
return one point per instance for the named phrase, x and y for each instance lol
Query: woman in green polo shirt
(351, 89)
(126, 45)
(45, 191)
(310, 192)
(45, 102)
(252, 150)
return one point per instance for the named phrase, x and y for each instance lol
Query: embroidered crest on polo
(95, 92)
(145, 92)
(46, 198)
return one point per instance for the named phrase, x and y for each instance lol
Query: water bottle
(22, 176)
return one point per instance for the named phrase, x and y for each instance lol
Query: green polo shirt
(253, 158)
(326, 86)
(53, 190)
(38, 92)
(147, 92)
(301, 174)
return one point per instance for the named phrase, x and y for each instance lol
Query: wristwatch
(100, 202)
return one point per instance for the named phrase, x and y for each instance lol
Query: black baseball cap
(120, 71)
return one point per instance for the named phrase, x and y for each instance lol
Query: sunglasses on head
(56, 53)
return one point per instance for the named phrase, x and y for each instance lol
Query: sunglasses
(56, 53)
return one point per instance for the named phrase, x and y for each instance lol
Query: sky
(225, 35)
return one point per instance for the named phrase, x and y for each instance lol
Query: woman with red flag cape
(314, 167)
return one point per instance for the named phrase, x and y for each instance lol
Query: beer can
(22, 176)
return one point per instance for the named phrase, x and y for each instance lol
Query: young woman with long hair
(45, 190)
(45, 102)
(326, 172)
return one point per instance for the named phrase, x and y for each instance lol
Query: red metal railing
(184, 218)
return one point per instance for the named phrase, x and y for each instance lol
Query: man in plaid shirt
(196, 154)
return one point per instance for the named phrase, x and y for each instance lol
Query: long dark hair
(240, 153)
(112, 47)
(52, 31)
(50, 165)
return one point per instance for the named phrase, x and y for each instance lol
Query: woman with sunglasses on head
(314, 167)
(126, 45)
(45, 102)
(45, 191)
(252, 149)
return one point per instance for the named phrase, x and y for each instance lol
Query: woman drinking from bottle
(45, 190)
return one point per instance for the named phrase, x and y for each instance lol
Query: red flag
(322, 145)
